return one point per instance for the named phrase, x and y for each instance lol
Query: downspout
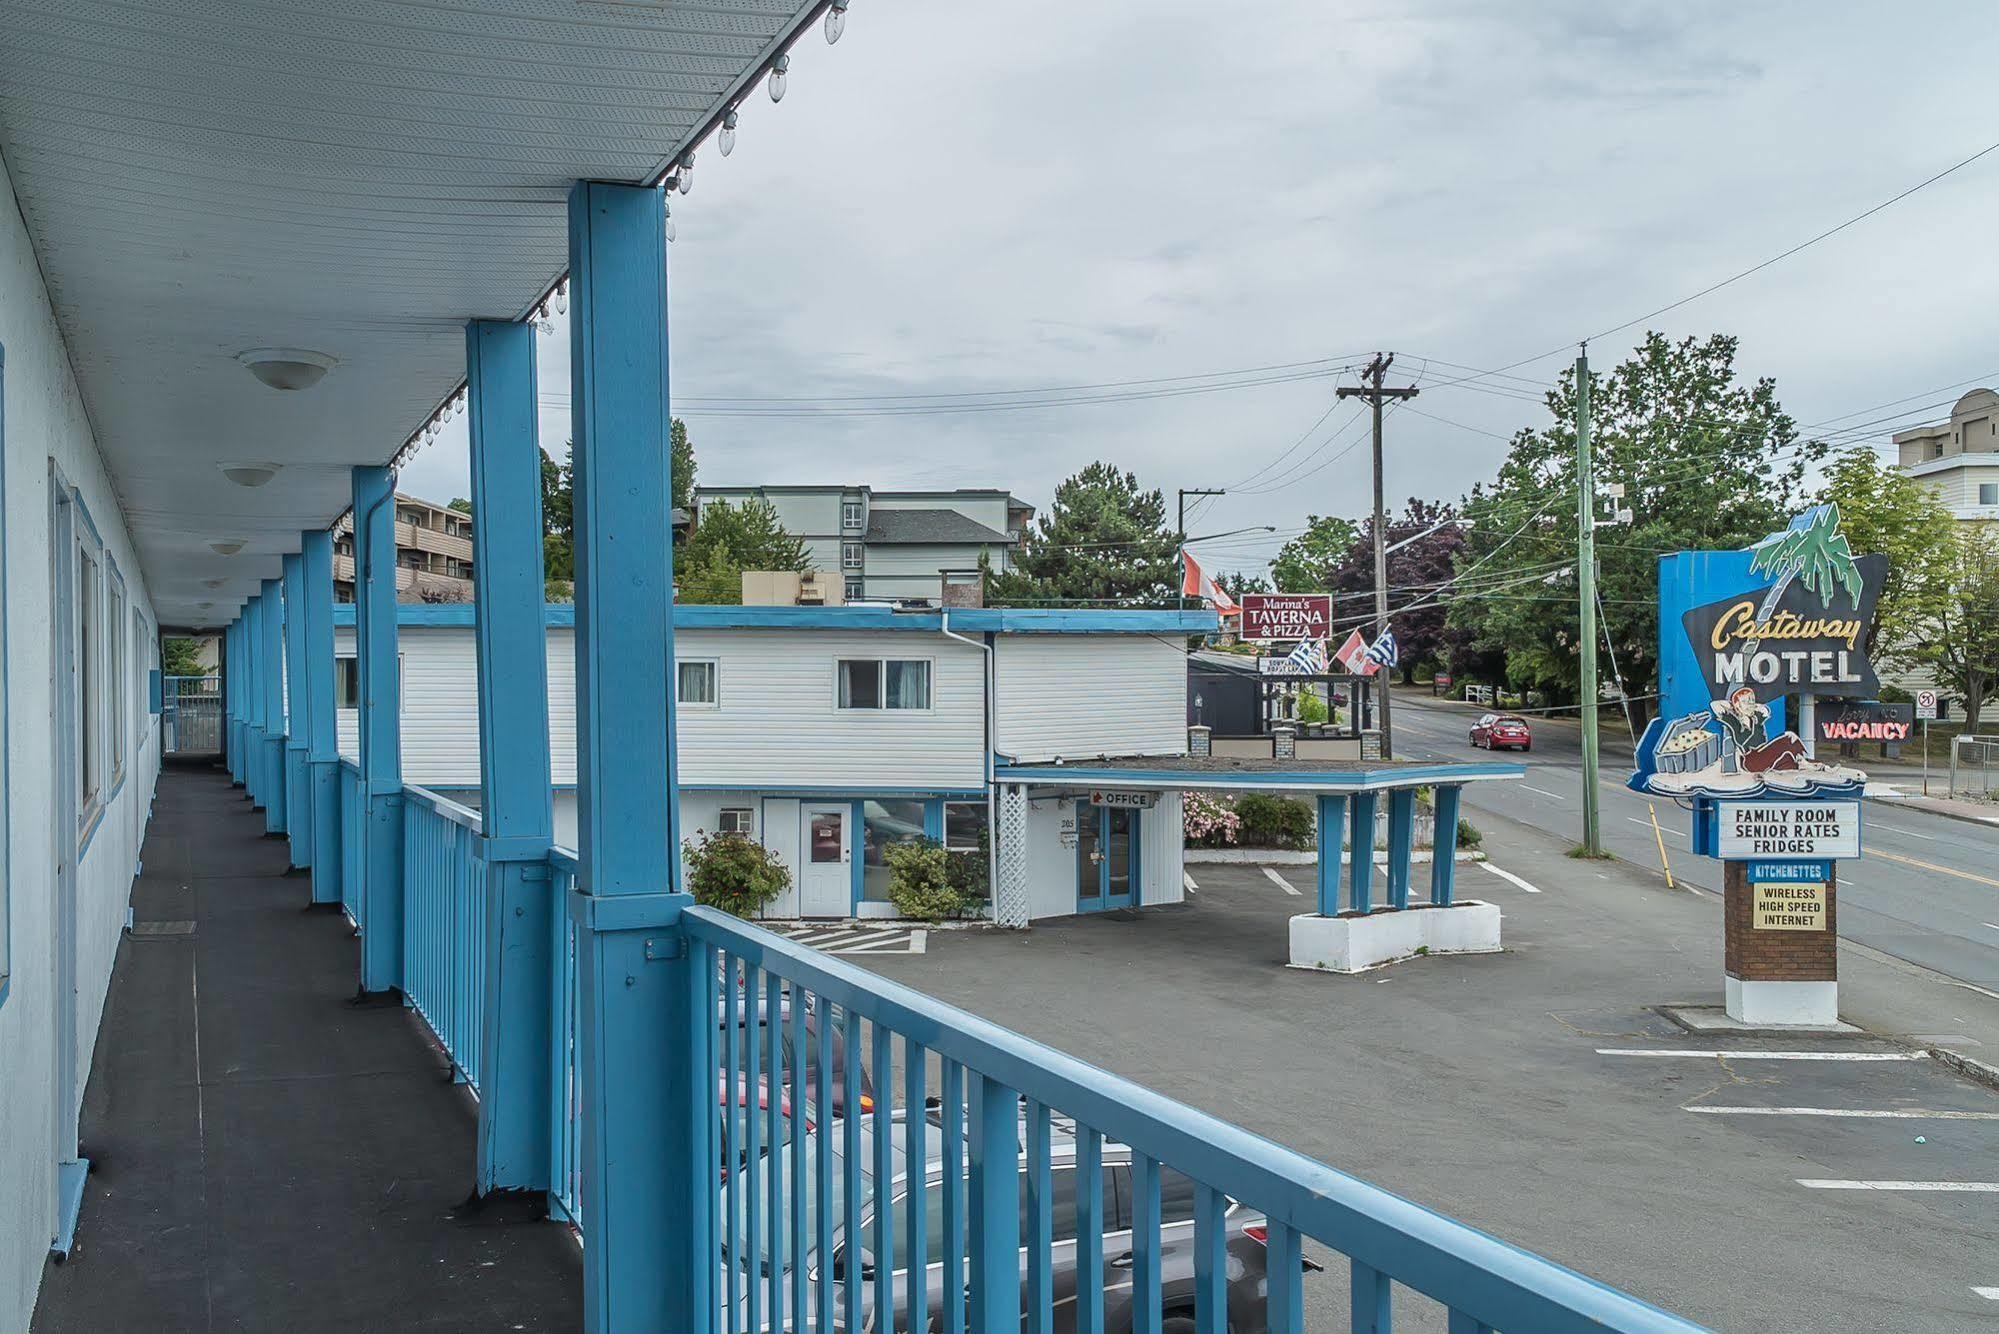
(992, 811)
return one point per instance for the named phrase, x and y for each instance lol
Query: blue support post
(1332, 830)
(517, 808)
(648, 1074)
(1361, 839)
(1401, 841)
(322, 737)
(271, 660)
(232, 697)
(253, 707)
(298, 804)
(381, 842)
(1444, 846)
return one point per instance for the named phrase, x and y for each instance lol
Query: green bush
(1468, 835)
(1275, 822)
(920, 880)
(969, 873)
(733, 873)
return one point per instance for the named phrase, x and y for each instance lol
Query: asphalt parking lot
(1748, 1183)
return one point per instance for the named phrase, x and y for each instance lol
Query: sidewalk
(1909, 795)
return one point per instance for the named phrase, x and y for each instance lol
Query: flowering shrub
(1209, 822)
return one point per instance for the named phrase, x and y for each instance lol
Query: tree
(731, 539)
(180, 656)
(1427, 543)
(1104, 540)
(558, 502)
(1884, 511)
(681, 463)
(1235, 584)
(1303, 563)
(1957, 629)
(1706, 461)
(462, 505)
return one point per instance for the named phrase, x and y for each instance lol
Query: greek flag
(1382, 651)
(1308, 659)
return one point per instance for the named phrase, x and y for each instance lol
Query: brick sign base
(1779, 975)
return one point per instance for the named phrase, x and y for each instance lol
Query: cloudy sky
(962, 198)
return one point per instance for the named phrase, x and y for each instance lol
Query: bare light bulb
(836, 21)
(726, 140)
(671, 230)
(777, 69)
(686, 171)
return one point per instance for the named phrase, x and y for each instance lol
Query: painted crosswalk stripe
(1281, 883)
(1712, 1053)
(1509, 878)
(1863, 1113)
(912, 943)
(1962, 1187)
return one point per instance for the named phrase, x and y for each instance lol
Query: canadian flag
(1353, 657)
(1195, 582)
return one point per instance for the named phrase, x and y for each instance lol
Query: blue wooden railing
(565, 1168)
(997, 1093)
(444, 923)
(351, 865)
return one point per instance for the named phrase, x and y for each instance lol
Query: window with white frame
(89, 682)
(117, 687)
(964, 826)
(850, 514)
(853, 588)
(737, 820)
(698, 682)
(347, 682)
(883, 683)
(1988, 493)
(850, 555)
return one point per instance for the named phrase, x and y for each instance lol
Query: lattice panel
(1010, 893)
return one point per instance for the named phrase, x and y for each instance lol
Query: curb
(1911, 804)
(1294, 857)
(1975, 1070)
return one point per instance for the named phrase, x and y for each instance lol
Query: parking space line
(1187, 880)
(1971, 1187)
(1989, 1294)
(1509, 877)
(1281, 882)
(1747, 1054)
(1896, 1113)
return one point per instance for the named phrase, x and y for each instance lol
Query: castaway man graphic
(1748, 747)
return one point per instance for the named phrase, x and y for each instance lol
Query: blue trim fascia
(1341, 780)
(990, 620)
(836, 792)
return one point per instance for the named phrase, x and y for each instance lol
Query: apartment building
(1958, 460)
(433, 553)
(891, 545)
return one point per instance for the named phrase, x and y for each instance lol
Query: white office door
(825, 872)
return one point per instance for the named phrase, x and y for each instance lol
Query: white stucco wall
(44, 420)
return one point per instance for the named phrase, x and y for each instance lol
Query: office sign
(1778, 830)
(1124, 801)
(1788, 907)
(1867, 720)
(1273, 616)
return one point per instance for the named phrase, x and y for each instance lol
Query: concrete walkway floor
(267, 1155)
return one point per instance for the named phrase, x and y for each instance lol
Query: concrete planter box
(1353, 944)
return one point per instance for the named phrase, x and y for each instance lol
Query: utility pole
(1370, 388)
(1180, 528)
(1586, 582)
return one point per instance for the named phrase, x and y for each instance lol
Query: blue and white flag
(1308, 659)
(1382, 651)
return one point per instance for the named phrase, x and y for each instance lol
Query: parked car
(1245, 1229)
(1502, 731)
(750, 1019)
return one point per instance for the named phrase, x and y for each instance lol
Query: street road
(1925, 890)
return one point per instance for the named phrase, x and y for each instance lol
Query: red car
(1497, 731)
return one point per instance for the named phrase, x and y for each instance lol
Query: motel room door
(826, 876)
(1106, 857)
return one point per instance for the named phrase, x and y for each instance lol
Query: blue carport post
(1444, 845)
(297, 797)
(253, 715)
(648, 1074)
(1361, 839)
(516, 806)
(1401, 840)
(272, 659)
(322, 737)
(381, 825)
(1332, 831)
(232, 697)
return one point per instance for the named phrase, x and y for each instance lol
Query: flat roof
(976, 620)
(1159, 772)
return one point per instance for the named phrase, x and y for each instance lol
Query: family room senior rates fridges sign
(1787, 831)
(1273, 616)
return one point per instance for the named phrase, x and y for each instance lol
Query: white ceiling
(355, 177)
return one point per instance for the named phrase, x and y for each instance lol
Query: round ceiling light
(249, 474)
(287, 367)
(226, 548)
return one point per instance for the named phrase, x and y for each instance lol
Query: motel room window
(90, 769)
(853, 587)
(850, 555)
(1988, 493)
(885, 822)
(347, 682)
(737, 820)
(698, 683)
(884, 683)
(964, 826)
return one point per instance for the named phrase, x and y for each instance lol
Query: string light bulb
(686, 173)
(562, 297)
(671, 230)
(776, 84)
(836, 21)
(726, 140)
